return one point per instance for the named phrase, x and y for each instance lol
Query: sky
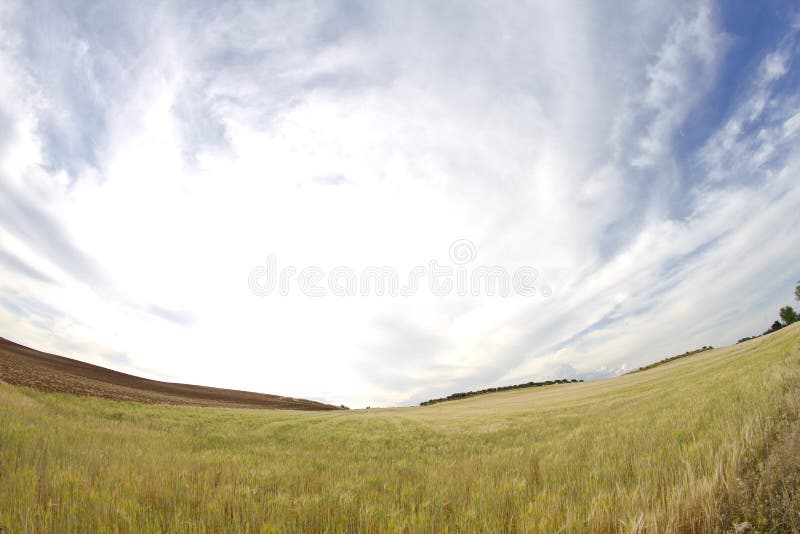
(163, 164)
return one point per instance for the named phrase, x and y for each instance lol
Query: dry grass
(768, 491)
(659, 451)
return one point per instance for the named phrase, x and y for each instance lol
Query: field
(23, 366)
(696, 444)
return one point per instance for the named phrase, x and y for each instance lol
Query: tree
(797, 291)
(775, 327)
(788, 315)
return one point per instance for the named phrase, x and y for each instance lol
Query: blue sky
(643, 157)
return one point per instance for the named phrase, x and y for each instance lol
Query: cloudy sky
(643, 157)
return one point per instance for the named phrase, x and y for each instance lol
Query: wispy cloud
(181, 317)
(13, 263)
(151, 154)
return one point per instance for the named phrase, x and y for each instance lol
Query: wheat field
(664, 450)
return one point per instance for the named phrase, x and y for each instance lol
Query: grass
(466, 394)
(670, 359)
(692, 445)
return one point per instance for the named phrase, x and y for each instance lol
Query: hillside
(23, 366)
(694, 445)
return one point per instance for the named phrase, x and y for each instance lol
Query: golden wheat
(654, 451)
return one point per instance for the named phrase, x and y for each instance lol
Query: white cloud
(378, 135)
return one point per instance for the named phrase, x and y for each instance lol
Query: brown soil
(23, 366)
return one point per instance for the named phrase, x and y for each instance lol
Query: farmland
(24, 366)
(696, 444)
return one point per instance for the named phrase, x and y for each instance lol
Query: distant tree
(788, 315)
(797, 291)
(777, 325)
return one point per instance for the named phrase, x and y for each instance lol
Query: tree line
(465, 394)
(665, 360)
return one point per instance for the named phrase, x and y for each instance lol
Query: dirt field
(23, 366)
